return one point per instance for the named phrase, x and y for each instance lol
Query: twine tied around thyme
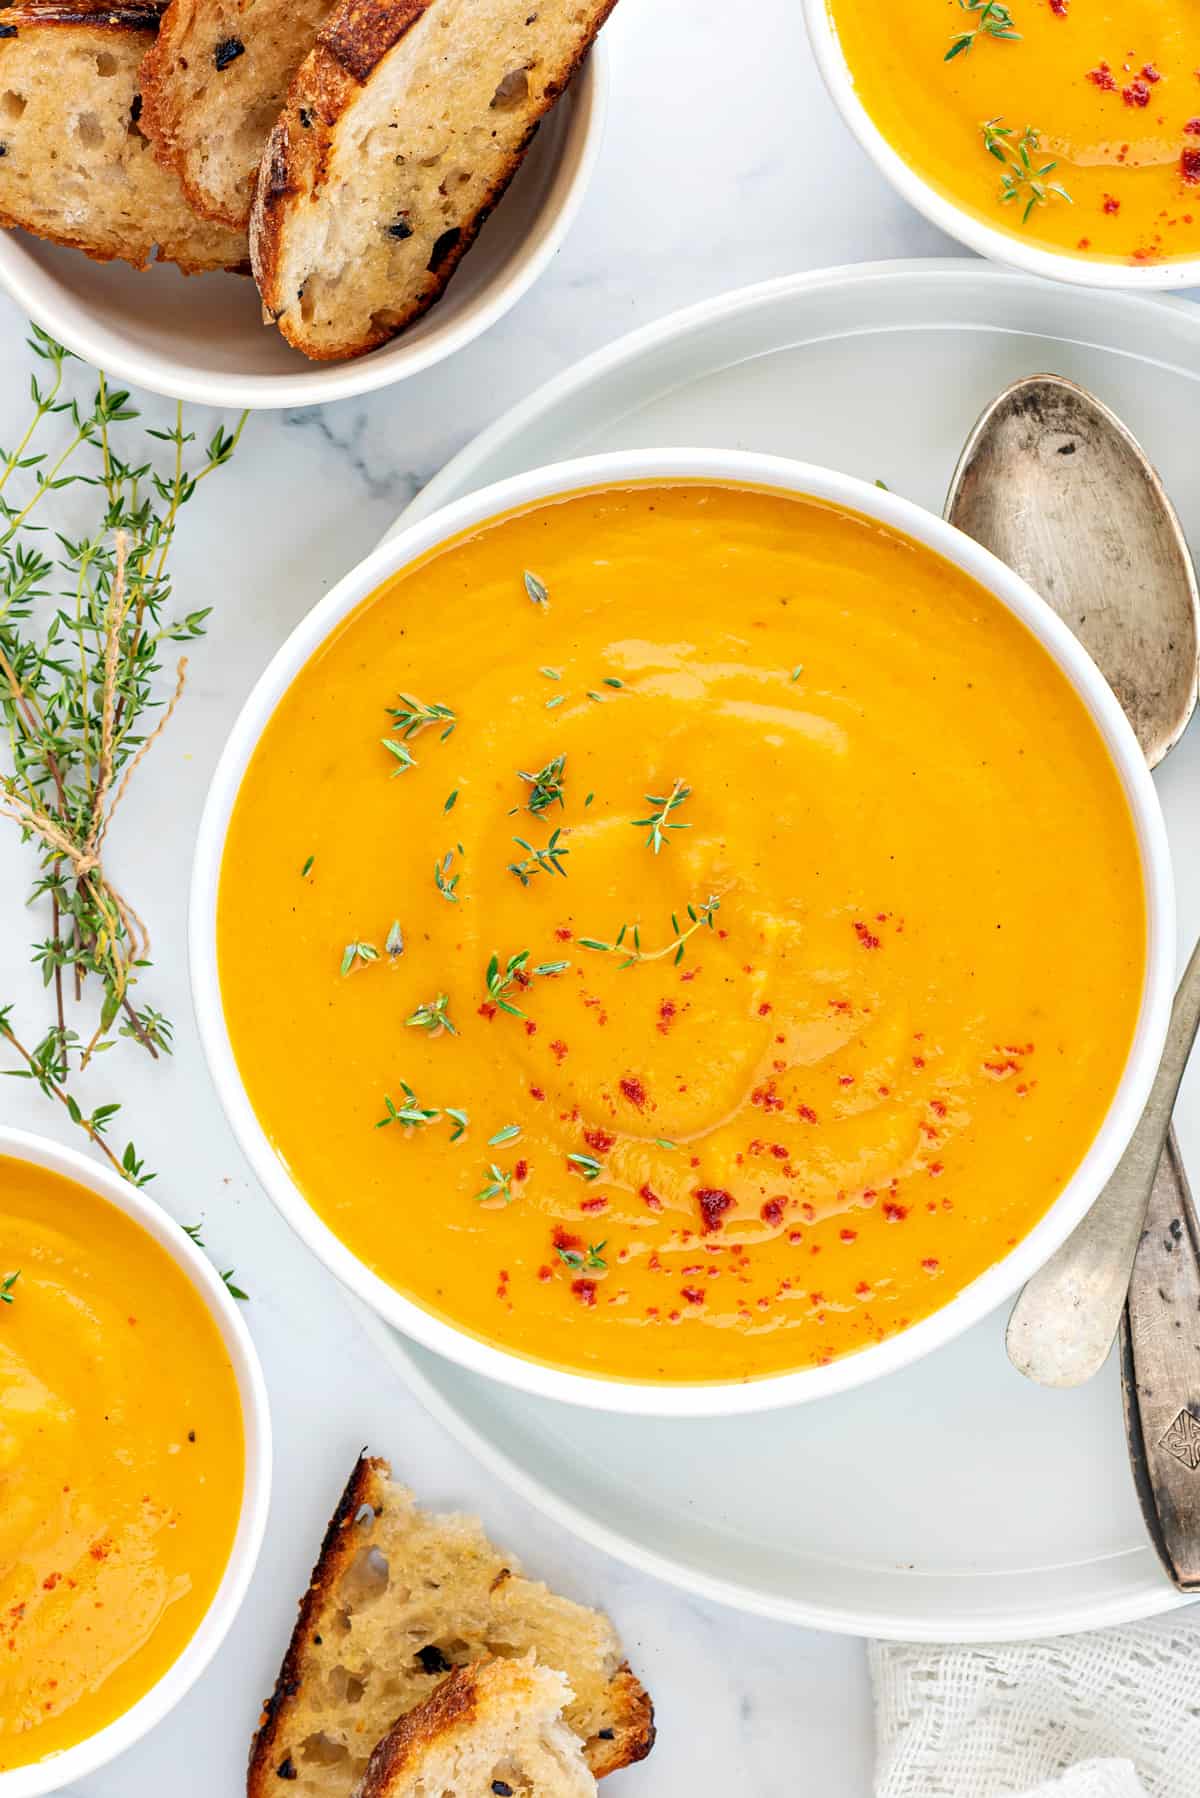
(126, 938)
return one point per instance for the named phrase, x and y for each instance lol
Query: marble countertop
(725, 163)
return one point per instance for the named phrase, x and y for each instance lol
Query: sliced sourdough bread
(401, 130)
(74, 165)
(397, 1600)
(212, 87)
(496, 1727)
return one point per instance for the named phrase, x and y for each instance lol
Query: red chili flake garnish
(807, 1113)
(1150, 72)
(593, 1205)
(862, 1288)
(530, 1027)
(931, 1264)
(666, 1012)
(693, 1294)
(885, 1092)
(1103, 78)
(633, 1090)
(521, 1171)
(545, 1273)
(1111, 203)
(690, 974)
(807, 1212)
(764, 1010)
(51, 1580)
(1136, 94)
(563, 934)
(1059, 8)
(779, 1150)
(563, 1239)
(935, 1168)
(535, 1092)
(772, 1211)
(600, 1140)
(713, 1203)
(650, 1197)
(487, 1009)
(795, 1235)
(894, 1213)
(1193, 127)
(585, 1291)
(938, 1107)
(1189, 164)
(918, 1061)
(848, 1235)
(558, 1050)
(866, 937)
(99, 1551)
(840, 1004)
(767, 1097)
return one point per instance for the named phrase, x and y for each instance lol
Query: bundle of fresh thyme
(84, 628)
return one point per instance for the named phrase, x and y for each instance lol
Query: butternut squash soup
(1072, 123)
(121, 1462)
(680, 933)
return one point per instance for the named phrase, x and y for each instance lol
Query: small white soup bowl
(958, 221)
(201, 337)
(746, 469)
(58, 1770)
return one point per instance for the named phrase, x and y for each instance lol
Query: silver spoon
(1055, 485)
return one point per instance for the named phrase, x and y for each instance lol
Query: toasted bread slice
(401, 130)
(397, 1600)
(212, 87)
(495, 1727)
(75, 166)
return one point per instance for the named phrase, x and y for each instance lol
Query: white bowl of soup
(135, 1464)
(682, 931)
(1058, 137)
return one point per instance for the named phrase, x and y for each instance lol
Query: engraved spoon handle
(1160, 1372)
(1063, 1324)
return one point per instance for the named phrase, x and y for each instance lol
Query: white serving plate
(952, 1500)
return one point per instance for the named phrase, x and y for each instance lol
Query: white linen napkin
(1114, 1714)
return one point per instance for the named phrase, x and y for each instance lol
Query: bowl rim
(955, 220)
(54, 1771)
(743, 468)
(71, 321)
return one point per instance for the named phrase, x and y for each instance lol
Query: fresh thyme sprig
(500, 981)
(234, 1291)
(579, 1262)
(443, 880)
(699, 916)
(587, 1165)
(394, 941)
(547, 860)
(83, 634)
(498, 1186)
(411, 717)
(411, 1114)
(355, 953)
(1021, 178)
(991, 20)
(434, 1017)
(547, 785)
(660, 820)
(536, 589)
(6, 1287)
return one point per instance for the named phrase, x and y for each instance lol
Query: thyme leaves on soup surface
(498, 1185)
(445, 882)
(536, 589)
(991, 20)
(586, 1165)
(547, 860)
(660, 820)
(85, 630)
(411, 717)
(434, 1017)
(358, 954)
(515, 973)
(547, 785)
(6, 1287)
(628, 940)
(1023, 179)
(589, 1261)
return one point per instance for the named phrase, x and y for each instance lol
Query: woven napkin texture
(964, 1721)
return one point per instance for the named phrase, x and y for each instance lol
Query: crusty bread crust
(451, 1705)
(108, 198)
(350, 51)
(190, 94)
(627, 1732)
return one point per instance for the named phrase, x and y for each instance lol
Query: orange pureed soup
(706, 1098)
(1105, 90)
(121, 1462)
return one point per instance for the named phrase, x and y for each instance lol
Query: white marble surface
(725, 163)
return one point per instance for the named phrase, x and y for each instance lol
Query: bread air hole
(512, 92)
(366, 1579)
(12, 104)
(345, 1687)
(321, 1750)
(89, 130)
(106, 64)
